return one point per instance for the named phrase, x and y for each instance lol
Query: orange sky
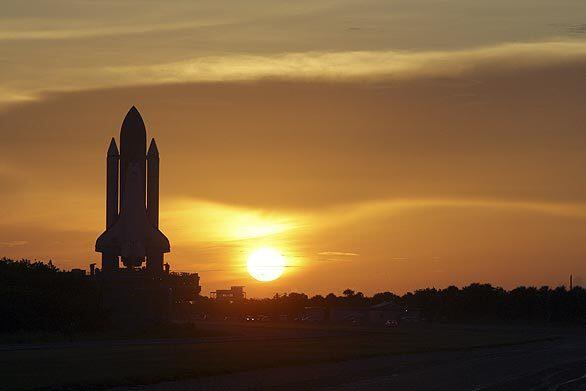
(374, 157)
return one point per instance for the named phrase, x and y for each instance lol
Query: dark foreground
(291, 357)
(553, 365)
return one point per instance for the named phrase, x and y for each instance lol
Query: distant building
(235, 293)
(79, 272)
(314, 314)
(378, 313)
(348, 314)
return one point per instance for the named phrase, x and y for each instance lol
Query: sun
(266, 264)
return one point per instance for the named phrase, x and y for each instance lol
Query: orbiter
(132, 202)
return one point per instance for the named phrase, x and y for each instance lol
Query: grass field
(102, 362)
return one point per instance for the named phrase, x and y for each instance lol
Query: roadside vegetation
(37, 297)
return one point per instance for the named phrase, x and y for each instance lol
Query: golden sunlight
(220, 223)
(266, 264)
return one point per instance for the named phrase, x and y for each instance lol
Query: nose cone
(153, 152)
(113, 149)
(133, 136)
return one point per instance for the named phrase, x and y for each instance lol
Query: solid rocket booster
(153, 184)
(112, 184)
(132, 232)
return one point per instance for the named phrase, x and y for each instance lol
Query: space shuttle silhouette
(132, 202)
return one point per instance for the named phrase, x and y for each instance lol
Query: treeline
(484, 302)
(473, 303)
(39, 296)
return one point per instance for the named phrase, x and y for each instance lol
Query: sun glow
(266, 264)
(221, 223)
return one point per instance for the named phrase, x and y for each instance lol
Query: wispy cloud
(345, 254)
(13, 243)
(577, 29)
(330, 65)
(389, 207)
(336, 256)
(56, 33)
(357, 64)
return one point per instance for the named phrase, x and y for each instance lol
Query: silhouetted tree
(38, 296)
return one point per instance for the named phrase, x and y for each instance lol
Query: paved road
(552, 365)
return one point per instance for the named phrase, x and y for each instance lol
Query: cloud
(399, 168)
(372, 65)
(356, 64)
(346, 254)
(369, 210)
(310, 145)
(13, 243)
(55, 33)
(68, 21)
(577, 29)
(335, 256)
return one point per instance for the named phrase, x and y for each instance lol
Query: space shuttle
(132, 232)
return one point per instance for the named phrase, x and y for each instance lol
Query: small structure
(378, 313)
(235, 293)
(348, 314)
(314, 314)
(79, 272)
(383, 312)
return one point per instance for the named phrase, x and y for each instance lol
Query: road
(550, 365)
